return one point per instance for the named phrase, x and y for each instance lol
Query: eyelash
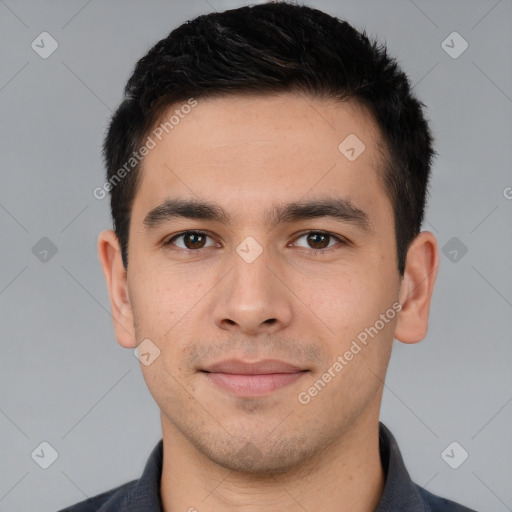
(340, 240)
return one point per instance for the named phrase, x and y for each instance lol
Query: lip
(239, 367)
(252, 379)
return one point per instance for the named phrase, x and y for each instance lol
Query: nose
(253, 298)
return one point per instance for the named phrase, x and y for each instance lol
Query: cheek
(166, 306)
(341, 294)
(155, 303)
(348, 306)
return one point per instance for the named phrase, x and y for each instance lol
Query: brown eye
(320, 241)
(191, 240)
(194, 240)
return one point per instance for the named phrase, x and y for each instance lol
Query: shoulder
(400, 492)
(136, 495)
(438, 504)
(103, 501)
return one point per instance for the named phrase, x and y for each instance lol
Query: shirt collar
(399, 493)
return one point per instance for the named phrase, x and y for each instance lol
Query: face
(260, 273)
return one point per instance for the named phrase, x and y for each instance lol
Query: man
(268, 170)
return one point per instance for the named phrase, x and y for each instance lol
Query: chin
(260, 459)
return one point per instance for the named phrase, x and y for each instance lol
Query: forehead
(250, 153)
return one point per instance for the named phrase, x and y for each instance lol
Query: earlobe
(109, 253)
(417, 288)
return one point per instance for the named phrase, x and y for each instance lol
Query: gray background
(64, 379)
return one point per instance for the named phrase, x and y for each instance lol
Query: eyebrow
(340, 209)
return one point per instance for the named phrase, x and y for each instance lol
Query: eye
(190, 240)
(319, 241)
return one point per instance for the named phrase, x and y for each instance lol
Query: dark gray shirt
(400, 493)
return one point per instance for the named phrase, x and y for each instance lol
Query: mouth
(252, 379)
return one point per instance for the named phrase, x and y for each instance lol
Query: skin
(199, 306)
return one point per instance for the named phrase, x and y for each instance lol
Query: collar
(400, 492)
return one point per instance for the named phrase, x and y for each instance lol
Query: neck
(345, 476)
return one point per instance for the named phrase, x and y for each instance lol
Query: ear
(109, 252)
(416, 288)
